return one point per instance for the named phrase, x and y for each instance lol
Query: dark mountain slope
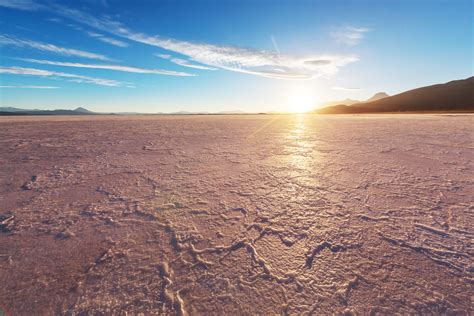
(455, 95)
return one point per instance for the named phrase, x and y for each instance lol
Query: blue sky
(165, 56)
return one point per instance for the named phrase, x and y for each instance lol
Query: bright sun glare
(301, 102)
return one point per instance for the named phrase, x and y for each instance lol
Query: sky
(253, 56)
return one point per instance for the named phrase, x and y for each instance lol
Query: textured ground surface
(237, 214)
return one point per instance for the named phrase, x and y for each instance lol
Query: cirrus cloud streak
(349, 35)
(108, 40)
(184, 62)
(55, 74)
(13, 41)
(29, 87)
(109, 67)
(237, 59)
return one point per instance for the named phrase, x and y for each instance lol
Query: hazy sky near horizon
(165, 56)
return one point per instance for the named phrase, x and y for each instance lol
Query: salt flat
(264, 214)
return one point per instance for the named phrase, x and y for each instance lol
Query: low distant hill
(341, 102)
(455, 95)
(231, 112)
(83, 110)
(7, 113)
(188, 113)
(377, 96)
(12, 109)
(17, 111)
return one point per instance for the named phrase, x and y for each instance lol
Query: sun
(301, 102)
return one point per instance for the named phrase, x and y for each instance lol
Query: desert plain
(245, 214)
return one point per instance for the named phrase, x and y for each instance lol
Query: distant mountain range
(455, 95)
(18, 111)
(4, 111)
(377, 96)
(83, 111)
(344, 102)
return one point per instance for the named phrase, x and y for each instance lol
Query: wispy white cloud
(110, 67)
(349, 35)
(275, 45)
(98, 2)
(13, 41)
(345, 89)
(237, 59)
(75, 27)
(184, 62)
(107, 40)
(55, 20)
(100, 37)
(246, 60)
(27, 5)
(29, 87)
(54, 74)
